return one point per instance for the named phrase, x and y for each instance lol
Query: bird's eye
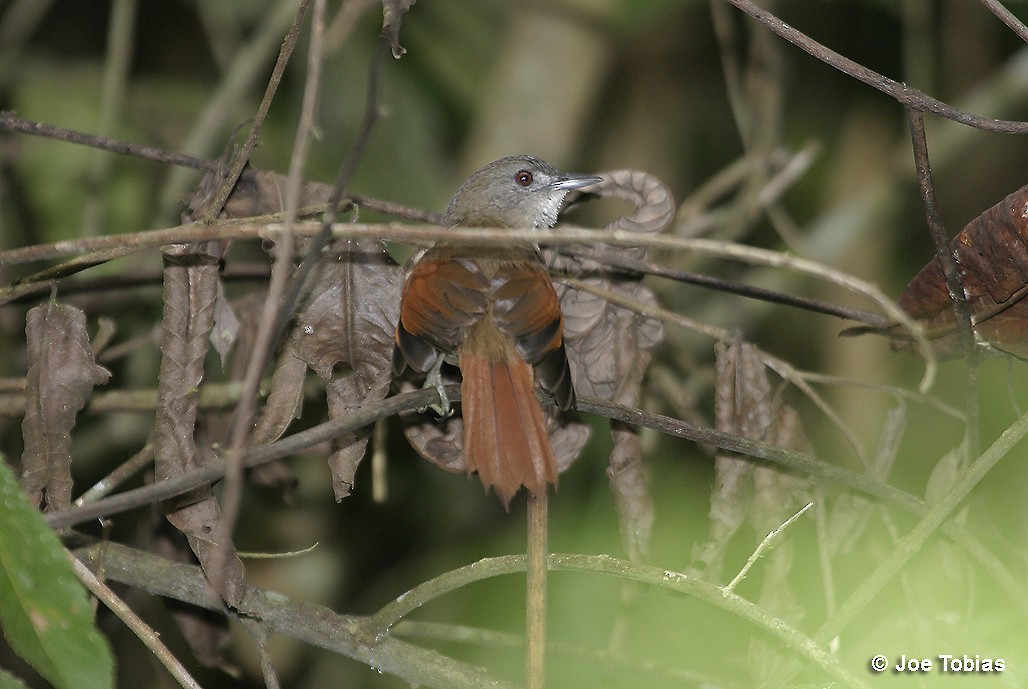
(523, 178)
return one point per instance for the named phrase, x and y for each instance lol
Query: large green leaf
(9, 681)
(44, 611)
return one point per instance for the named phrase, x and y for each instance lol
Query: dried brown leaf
(742, 406)
(766, 497)
(61, 375)
(190, 296)
(345, 334)
(992, 255)
(285, 399)
(258, 192)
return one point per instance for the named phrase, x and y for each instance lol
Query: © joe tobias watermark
(944, 662)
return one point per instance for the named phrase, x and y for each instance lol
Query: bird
(493, 311)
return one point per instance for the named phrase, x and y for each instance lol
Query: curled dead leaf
(992, 255)
(61, 375)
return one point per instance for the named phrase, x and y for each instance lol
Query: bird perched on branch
(492, 310)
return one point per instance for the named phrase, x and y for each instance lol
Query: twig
(764, 546)
(267, 332)
(259, 632)
(121, 33)
(950, 270)
(10, 123)
(244, 229)
(535, 606)
(242, 156)
(257, 456)
(605, 657)
(345, 174)
(779, 366)
(934, 518)
(121, 474)
(792, 639)
(1008, 18)
(316, 625)
(247, 66)
(371, 412)
(141, 629)
(902, 93)
(640, 267)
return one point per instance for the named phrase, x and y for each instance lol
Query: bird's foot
(435, 380)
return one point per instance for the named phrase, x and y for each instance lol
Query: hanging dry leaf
(742, 406)
(61, 375)
(992, 255)
(609, 347)
(345, 334)
(745, 405)
(190, 296)
(257, 192)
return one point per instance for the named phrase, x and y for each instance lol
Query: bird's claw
(435, 380)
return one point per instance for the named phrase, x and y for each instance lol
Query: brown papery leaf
(61, 375)
(345, 334)
(745, 405)
(742, 406)
(609, 346)
(992, 256)
(190, 296)
(258, 192)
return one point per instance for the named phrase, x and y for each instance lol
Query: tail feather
(505, 435)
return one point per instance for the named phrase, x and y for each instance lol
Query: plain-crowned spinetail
(493, 310)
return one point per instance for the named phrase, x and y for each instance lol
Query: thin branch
(717, 596)
(257, 456)
(141, 629)
(935, 517)
(267, 332)
(242, 156)
(605, 657)
(253, 228)
(353, 156)
(764, 547)
(951, 272)
(220, 110)
(312, 624)
(950, 269)
(640, 267)
(122, 473)
(1008, 18)
(10, 123)
(902, 93)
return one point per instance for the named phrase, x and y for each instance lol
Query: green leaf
(9, 681)
(44, 611)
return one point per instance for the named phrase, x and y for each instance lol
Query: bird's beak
(575, 181)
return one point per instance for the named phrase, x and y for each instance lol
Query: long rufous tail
(505, 436)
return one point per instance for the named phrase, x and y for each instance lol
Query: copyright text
(943, 662)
